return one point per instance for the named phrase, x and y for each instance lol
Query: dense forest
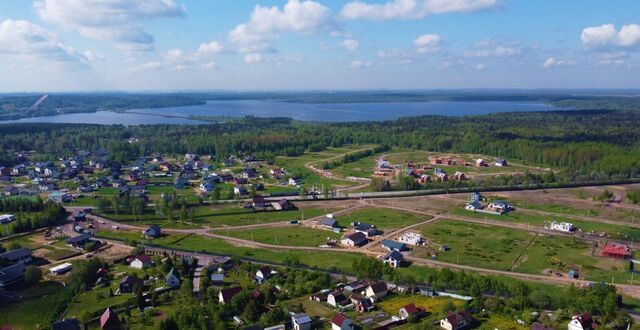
(584, 144)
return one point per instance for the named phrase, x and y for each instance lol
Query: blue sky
(87, 45)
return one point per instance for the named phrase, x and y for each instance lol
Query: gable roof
(228, 293)
(131, 280)
(15, 254)
(173, 273)
(78, 239)
(393, 245)
(339, 319)
(411, 309)
(301, 318)
(357, 237)
(455, 317)
(330, 222)
(66, 324)
(109, 318)
(394, 255)
(378, 287)
(12, 273)
(143, 257)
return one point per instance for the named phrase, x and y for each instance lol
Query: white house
(376, 291)
(411, 238)
(341, 322)
(336, 298)
(301, 321)
(263, 274)
(140, 261)
(393, 259)
(582, 322)
(355, 239)
(456, 321)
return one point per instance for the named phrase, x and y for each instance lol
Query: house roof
(301, 318)
(228, 293)
(131, 279)
(378, 287)
(78, 239)
(393, 244)
(217, 277)
(394, 255)
(143, 257)
(455, 317)
(12, 273)
(109, 318)
(16, 254)
(330, 222)
(357, 237)
(265, 270)
(173, 273)
(66, 324)
(411, 309)
(339, 319)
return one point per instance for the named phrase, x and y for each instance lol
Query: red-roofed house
(341, 322)
(583, 321)
(456, 321)
(109, 320)
(618, 251)
(411, 310)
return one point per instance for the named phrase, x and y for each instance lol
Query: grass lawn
(384, 218)
(60, 254)
(149, 218)
(291, 235)
(96, 300)
(313, 308)
(221, 216)
(363, 167)
(499, 322)
(477, 245)
(35, 310)
(393, 304)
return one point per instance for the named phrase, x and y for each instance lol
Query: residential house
(393, 245)
(17, 256)
(79, 241)
(500, 206)
(58, 196)
(80, 216)
(222, 262)
(129, 283)
(337, 299)
(411, 311)
(12, 274)
(11, 191)
(411, 238)
(376, 290)
(456, 321)
(225, 295)
(240, 191)
(140, 261)
(258, 202)
(355, 240)
(152, 232)
(361, 304)
(109, 320)
(501, 162)
(367, 229)
(19, 169)
(172, 280)
(217, 278)
(295, 181)
(481, 163)
(565, 227)
(330, 223)
(459, 176)
(301, 321)
(66, 324)
(263, 274)
(207, 186)
(615, 250)
(393, 259)
(283, 205)
(341, 322)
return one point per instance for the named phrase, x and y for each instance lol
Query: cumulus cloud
(252, 58)
(29, 41)
(358, 64)
(411, 9)
(607, 35)
(491, 48)
(554, 62)
(118, 21)
(269, 23)
(427, 43)
(210, 48)
(480, 66)
(351, 44)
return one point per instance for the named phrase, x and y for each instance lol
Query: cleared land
(292, 235)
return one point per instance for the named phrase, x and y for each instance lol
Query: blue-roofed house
(173, 280)
(153, 231)
(393, 259)
(393, 245)
(301, 321)
(21, 256)
(330, 223)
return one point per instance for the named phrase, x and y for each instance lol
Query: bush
(32, 275)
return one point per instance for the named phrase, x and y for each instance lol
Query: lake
(323, 112)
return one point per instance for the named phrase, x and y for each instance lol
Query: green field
(538, 220)
(291, 235)
(35, 310)
(384, 218)
(216, 216)
(477, 245)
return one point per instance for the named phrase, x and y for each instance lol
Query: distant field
(393, 304)
(291, 235)
(35, 311)
(238, 216)
(383, 218)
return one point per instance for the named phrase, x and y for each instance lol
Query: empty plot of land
(291, 236)
(383, 218)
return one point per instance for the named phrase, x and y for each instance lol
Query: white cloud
(554, 62)
(411, 9)
(351, 44)
(93, 56)
(118, 21)
(480, 66)
(252, 58)
(269, 23)
(209, 65)
(151, 65)
(427, 43)
(607, 35)
(491, 48)
(33, 43)
(357, 64)
(210, 48)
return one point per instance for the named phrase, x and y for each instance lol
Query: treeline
(353, 157)
(41, 215)
(21, 204)
(583, 144)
